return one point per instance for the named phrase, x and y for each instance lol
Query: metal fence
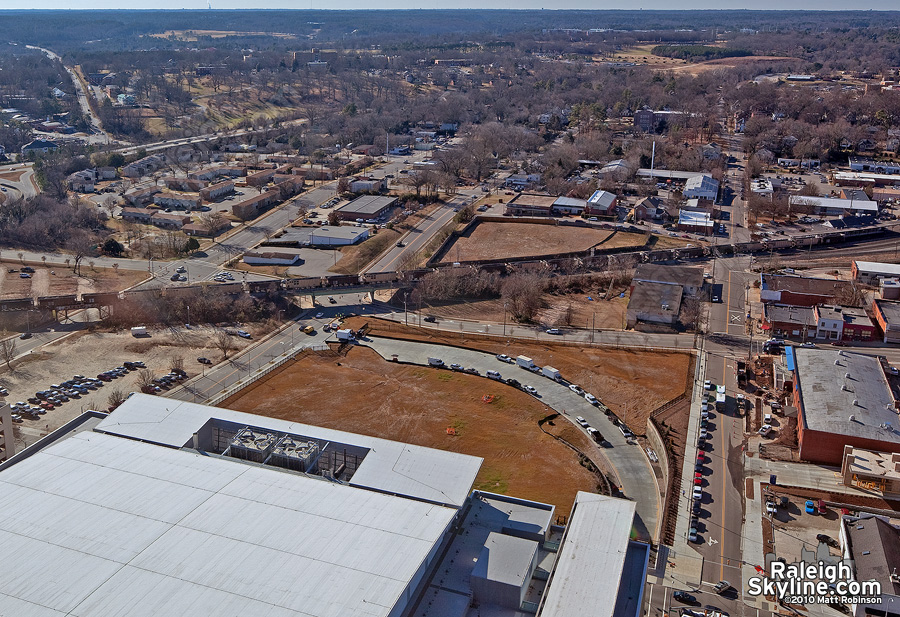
(261, 372)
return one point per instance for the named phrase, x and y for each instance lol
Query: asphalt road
(416, 239)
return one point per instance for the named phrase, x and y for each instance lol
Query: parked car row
(165, 382)
(716, 393)
(223, 277)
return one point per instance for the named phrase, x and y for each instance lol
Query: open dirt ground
(362, 393)
(633, 383)
(501, 240)
(599, 313)
(90, 353)
(728, 63)
(60, 280)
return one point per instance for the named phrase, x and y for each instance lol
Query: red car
(103, 377)
(47, 405)
(839, 344)
(698, 479)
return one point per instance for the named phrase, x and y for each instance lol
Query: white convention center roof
(101, 526)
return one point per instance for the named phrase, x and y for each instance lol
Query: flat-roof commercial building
(657, 303)
(701, 187)
(789, 321)
(695, 221)
(601, 203)
(530, 204)
(843, 323)
(801, 290)
(271, 258)
(689, 278)
(834, 206)
(871, 272)
(871, 544)
(872, 471)
(167, 507)
(325, 235)
(842, 399)
(887, 316)
(367, 207)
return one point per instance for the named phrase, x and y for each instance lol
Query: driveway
(632, 469)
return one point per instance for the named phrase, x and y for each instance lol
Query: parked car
(810, 506)
(243, 334)
(576, 389)
(553, 331)
(430, 318)
(203, 360)
(504, 358)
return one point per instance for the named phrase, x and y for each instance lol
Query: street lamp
(405, 313)
(504, 319)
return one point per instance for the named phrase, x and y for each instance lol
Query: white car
(243, 334)
(707, 385)
(530, 390)
(703, 434)
(582, 421)
(320, 315)
(698, 492)
(766, 430)
(590, 398)
(554, 331)
(576, 389)
(771, 508)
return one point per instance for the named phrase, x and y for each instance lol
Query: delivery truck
(552, 373)
(345, 335)
(525, 362)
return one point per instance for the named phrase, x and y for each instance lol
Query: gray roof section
(591, 559)
(390, 466)
(367, 205)
(303, 235)
(783, 313)
(506, 559)
(522, 517)
(877, 268)
(890, 310)
(103, 526)
(675, 275)
(602, 199)
(652, 297)
(875, 550)
(827, 406)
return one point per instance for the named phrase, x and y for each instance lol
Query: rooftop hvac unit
(845, 388)
(837, 362)
(852, 418)
(252, 445)
(295, 454)
(856, 402)
(846, 375)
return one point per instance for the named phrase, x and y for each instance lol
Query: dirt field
(632, 383)
(712, 65)
(89, 353)
(585, 313)
(418, 405)
(500, 240)
(60, 280)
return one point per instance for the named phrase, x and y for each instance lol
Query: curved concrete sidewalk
(635, 476)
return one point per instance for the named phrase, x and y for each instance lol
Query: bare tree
(222, 341)
(145, 378)
(116, 397)
(176, 364)
(80, 246)
(7, 349)
(213, 222)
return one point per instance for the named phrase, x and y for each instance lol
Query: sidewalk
(682, 565)
(802, 475)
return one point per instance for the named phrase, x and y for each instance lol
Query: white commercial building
(701, 187)
(166, 507)
(833, 206)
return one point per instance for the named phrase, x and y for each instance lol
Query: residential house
(140, 197)
(651, 209)
(144, 166)
(522, 181)
(260, 178)
(137, 215)
(184, 184)
(253, 207)
(39, 146)
(82, 181)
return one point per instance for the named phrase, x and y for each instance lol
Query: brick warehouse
(842, 398)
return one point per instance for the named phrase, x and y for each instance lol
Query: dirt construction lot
(90, 353)
(501, 240)
(60, 280)
(631, 382)
(362, 393)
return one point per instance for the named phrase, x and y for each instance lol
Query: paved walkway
(802, 475)
(633, 472)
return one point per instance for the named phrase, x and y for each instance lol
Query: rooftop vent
(856, 402)
(852, 418)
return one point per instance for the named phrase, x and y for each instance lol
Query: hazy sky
(454, 4)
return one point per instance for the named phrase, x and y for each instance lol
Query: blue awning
(789, 357)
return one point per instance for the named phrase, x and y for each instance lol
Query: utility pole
(405, 313)
(504, 319)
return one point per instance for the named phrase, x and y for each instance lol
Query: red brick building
(842, 398)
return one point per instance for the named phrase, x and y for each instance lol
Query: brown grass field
(362, 393)
(493, 240)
